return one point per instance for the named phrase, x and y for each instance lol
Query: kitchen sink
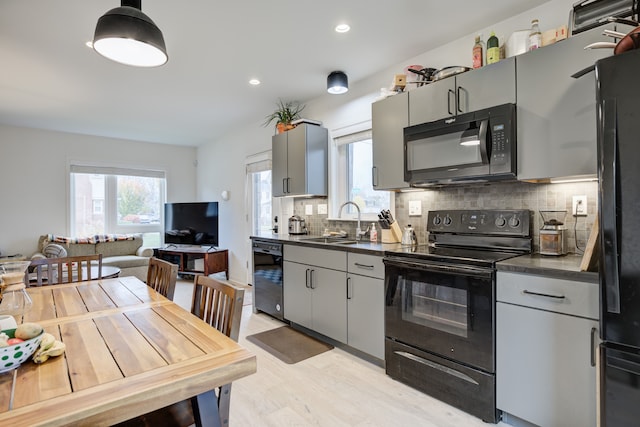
(331, 240)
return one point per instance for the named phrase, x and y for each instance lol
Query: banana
(47, 341)
(57, 349)
(40, 357)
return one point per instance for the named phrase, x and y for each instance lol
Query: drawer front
(546, 293)
(365, 265)
(335, 260)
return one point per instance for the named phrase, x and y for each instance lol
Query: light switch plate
(415, 208)
(322, 209)
(308, 209)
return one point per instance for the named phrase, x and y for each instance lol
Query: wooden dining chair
(162, 276)
(220, 305)
(52, 271)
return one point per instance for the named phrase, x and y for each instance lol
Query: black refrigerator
(618, 121)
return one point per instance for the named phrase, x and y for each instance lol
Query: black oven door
(442, 308)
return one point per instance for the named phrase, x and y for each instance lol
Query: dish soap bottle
(478, 53)
(493, 49)
(535, 37)
(373, 233)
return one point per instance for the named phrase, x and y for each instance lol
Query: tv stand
(215, 260)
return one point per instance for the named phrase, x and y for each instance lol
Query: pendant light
(128, 36)
(337, 83)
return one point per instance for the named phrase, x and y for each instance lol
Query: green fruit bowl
(14, 355)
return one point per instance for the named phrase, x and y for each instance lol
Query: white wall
(221, 163)
(34, 170)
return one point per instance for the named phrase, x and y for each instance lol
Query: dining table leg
(205, 409)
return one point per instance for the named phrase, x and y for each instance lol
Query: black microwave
(471, 147)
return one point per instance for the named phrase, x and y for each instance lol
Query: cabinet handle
(543, 295)
(365, 266)
(284, 185)
(458, 103)
(374, 176)
(449, 93)
(348, 288)
(288, 185)
(311, 274)
(306, 279)
(593, 346)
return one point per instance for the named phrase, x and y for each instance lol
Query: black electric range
(440, 305)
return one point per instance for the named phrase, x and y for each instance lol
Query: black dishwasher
(267, 277)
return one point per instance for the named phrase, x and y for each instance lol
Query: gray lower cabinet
(557, 113)
(297, 295)
(389, 117)
(314, 294)
(545, 349)
(299, 161)
(365, 304)
(337, 294)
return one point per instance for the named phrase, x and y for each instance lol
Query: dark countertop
(561, 267)
(364, 246)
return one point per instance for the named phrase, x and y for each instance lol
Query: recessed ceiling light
(254, 82)
(342, 28)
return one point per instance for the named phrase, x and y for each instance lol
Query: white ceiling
(49, 79)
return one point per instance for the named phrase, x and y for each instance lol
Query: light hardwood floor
(332, 389)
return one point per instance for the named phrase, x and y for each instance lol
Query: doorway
(259, 211)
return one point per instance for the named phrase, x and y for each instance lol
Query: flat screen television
(191, 223)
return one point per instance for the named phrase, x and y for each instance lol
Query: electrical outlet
(308, 209)
(579, 206)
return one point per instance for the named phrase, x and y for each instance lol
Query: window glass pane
(261, 201)
(105, 203)
(359, 185)
(138, 200)
(88, 201)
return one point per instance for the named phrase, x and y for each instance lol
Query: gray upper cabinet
(299, 159)
(389, 118)
(485, 87)
(556, 112)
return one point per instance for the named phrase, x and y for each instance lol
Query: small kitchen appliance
(553, 233)
(409, 236)
(297, 225)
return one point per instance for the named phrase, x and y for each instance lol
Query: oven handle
(437, 366)
(466, 270)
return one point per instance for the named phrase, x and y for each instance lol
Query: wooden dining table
(129, 351)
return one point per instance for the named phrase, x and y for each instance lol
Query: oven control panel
(511, 222)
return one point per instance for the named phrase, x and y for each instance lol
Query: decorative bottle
(478, 53)
(493, 49)
(535, 37)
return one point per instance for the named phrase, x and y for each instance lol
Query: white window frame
(338, 175)
(110, 202)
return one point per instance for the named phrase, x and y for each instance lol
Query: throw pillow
(54, 251)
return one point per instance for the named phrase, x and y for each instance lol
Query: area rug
(289, 345)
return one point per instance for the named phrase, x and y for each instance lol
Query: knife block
(391, 235)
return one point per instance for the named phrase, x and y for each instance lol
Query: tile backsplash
(511, 195)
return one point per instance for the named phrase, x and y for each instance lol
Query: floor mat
(289, 345)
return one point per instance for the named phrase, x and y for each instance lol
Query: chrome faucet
(359, 232)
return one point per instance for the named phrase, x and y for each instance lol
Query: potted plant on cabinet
(284, 114)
